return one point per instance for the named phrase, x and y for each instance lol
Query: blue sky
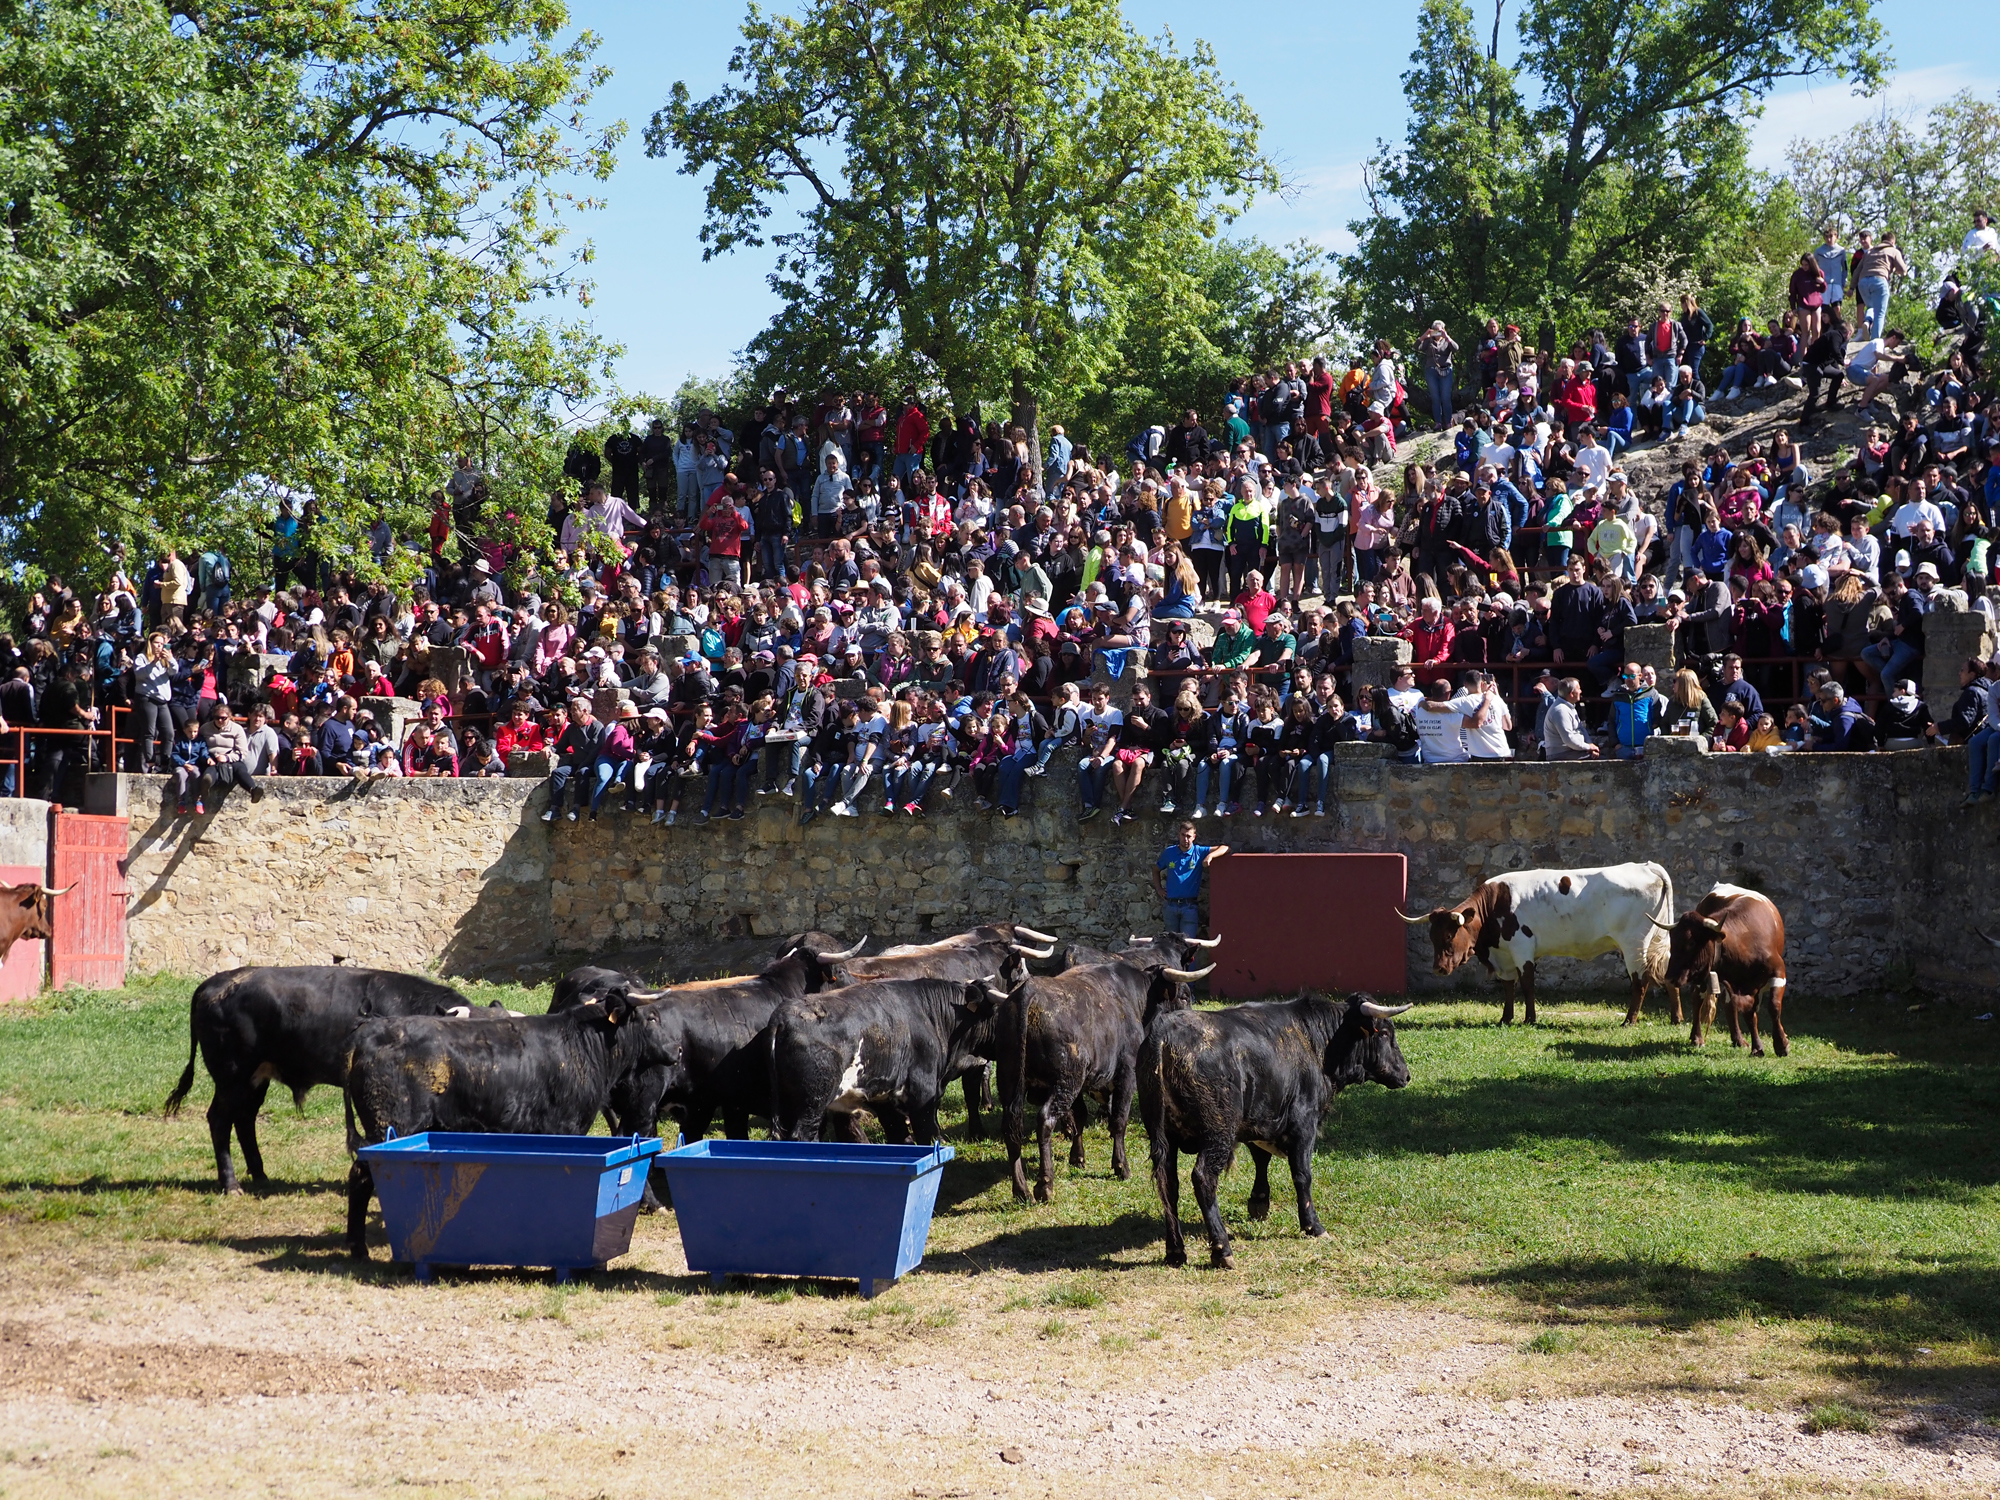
(1325, 95)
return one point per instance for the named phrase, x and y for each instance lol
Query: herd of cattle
(824, 1031)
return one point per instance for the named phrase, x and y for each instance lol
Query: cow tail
(1657, 947)
(347, 1107)
(180, 1093)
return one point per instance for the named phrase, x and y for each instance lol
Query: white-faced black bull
(1263, 1075)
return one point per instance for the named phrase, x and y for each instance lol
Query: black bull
(253, 1027)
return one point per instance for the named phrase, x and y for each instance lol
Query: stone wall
(399, 874)
(1878, 873)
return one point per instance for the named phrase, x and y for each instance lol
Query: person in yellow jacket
(1249, 534)
(1177, 516)
(175, 585)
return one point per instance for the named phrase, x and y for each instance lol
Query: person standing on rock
(1177, 879)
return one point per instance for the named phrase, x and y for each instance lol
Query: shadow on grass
(1883, 1131)
(1884, 1324)
(1106, 1246)
(91, 1186)
(1633, 1052)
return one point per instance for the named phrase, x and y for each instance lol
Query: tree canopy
(1606, 155)
(988, 192)
(294, 244)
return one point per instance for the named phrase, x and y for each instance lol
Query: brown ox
(1734, 940)
(25, 915)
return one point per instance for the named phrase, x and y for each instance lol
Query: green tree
(1607, 154)
(296, 244)
(991, 189)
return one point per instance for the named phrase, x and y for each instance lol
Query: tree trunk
(1027, 413)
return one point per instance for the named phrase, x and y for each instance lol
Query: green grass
(1837, 1416)
(1578, 1173)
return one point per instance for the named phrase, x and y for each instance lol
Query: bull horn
(1138, 942)
(1033, 936)
(1414, 921)
(1031, 952)
(1188, 976)
(1993, 940)
(834, 958)
(1663, 926)
(459, 1012)
(64, 891)
(643, 996)
(1201, 942)
(1383, 1012)
(1711, 924)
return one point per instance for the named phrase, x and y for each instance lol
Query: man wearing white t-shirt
(1098, 727)
(1486, 735)
(1982, 238)
(1442, 721)
(1594, 459)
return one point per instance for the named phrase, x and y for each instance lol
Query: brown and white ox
(25, 915)
(1512, 921)
(1734, 943)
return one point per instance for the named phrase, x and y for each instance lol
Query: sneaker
(1257, 811)
(1795, 383)
(1010, 812)
(572, 815)
(914, 809)
(765, 791)
(1279, 806)
(736, 815)
(659, 816)
(982, 804)
(1120, 817)
(1036, 770)
(888, 808)
(702, 816)
(256, 794)
(181, 810)
(1167, 809)
(1319, 809)
(1088, 814)
(1235, 809)
(1973, 799)
(791, 788)
(673, 815)
(200, 808)
(1198, 811)
(945, 792)
(806, 815)
(1300, 812)
(547, 817)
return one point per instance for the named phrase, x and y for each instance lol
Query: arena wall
(1880, 877)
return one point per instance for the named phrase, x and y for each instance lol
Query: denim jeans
(1222, 770)
(1616, 443)
(1013, 772)
(1183, 916)
(771, 556)
(1439, 384)
(819, 786)
(726, 781)
(1693, 357)
(1310, 779)
(1895, 659)
(1667, 368)
(1874, 294)
(1274, 434)
(1090, 776)
(906, 465)
(1735, 381)
(1683, 413)
(909, 784)
(602, 775)
(1982, 760)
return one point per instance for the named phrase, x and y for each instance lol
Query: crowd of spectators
(867, 607)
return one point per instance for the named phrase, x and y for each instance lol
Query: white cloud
(1831, 107)
(1321, 202)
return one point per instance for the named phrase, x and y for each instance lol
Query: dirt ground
(267, 1366)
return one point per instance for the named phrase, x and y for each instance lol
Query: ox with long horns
(25, 915)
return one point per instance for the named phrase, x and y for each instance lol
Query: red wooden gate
(1308, 921)
(89, 946)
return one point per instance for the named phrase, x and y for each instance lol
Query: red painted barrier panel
(89, 945)
(21, 975)
(1308, 921)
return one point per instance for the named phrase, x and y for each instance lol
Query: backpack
(1402, 729)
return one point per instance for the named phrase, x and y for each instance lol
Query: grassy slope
(1610, 1184)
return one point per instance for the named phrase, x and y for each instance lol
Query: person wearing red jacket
(520, 732)
(723, 526)
(913, 438)
(1576, 394)
(1430, 636)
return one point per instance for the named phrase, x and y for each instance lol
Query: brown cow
(1735, 939)
(25, 915)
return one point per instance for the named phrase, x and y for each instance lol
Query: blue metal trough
(461, 1199)
(804, 1208)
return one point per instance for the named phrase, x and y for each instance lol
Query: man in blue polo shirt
(1177, 878)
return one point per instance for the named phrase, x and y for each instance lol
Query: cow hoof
(1782, 1050)
(1506, 1018)
(357, 1252)
(1317, 1231)
(1123, 1171)
(1260, 1209)
(1044, 1193)
(1177, 1257)
(1020, 1193)
(1631, 1021)
(233, 1190)
(1221, 1260)
(1756, 1051)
